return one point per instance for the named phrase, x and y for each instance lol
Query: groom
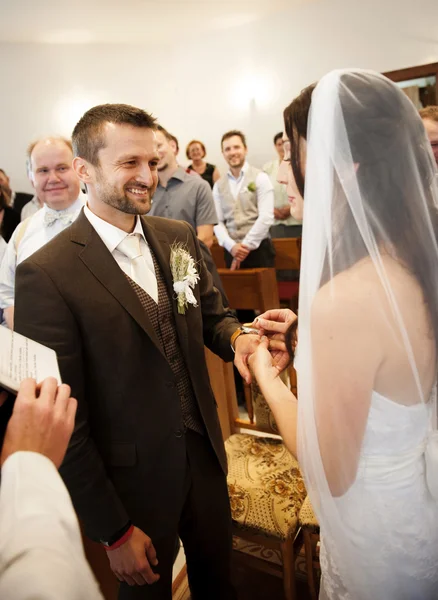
(146, 461)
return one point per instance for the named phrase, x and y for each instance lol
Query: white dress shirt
(265, 204)
(3, 246)
(41, 553)
(111, 236)
(21, 246)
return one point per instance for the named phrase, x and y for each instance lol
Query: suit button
(178, 433)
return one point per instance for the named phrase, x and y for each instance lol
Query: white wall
(241, 77)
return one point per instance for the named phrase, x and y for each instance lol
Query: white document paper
(21, 357)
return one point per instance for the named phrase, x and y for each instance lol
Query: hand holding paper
(21, 357)
(42, 421)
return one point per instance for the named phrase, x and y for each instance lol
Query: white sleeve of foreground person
(41, 553)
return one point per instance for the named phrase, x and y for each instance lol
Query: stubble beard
(111, 195)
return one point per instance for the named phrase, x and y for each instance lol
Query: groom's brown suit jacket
(126, 459)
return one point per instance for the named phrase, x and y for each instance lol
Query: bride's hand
(265, 367)
(275, 324)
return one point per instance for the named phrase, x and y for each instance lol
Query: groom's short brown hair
(88, 136)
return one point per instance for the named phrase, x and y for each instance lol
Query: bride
(368, 330)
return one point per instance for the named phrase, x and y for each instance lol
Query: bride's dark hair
(388, 143)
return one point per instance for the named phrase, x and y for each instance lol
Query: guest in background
(285, 226)
(35, 204)
(193, 210)
(58, 186)
(15, 199)
(244, 199)
(179, 195)
(41, 553)
(31, 208)
(430, 120)
(196, 152)
(9, 218)
(3, 246)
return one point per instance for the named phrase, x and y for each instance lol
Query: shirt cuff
(27, 459)
(229, 243)
(251, 245)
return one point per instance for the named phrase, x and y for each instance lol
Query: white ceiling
(125, 21)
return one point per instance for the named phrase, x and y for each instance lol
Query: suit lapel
(97, 258)
(160, 244)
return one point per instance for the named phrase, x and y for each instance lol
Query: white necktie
(140, 272)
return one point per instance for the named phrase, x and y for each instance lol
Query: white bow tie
(52, 216)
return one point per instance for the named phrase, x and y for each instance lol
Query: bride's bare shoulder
(359, 290)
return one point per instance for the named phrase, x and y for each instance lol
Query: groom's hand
(131, 562)
(244, 346)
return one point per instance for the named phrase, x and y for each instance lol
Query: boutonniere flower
(185, 276)
(251, 186)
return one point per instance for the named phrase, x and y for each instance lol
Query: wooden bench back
(254, 289)
(287, 253)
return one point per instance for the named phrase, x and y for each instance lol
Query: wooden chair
(265, 484)
(99, 563)
(288, 257)
(310, 529)
(254, 289)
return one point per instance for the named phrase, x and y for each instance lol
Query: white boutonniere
(185, 276)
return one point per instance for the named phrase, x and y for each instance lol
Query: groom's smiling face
(126, 176)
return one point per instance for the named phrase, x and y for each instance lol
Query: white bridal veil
(370, 225)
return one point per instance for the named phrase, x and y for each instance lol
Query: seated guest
(9, 219)
(244, 199)
(15, 199)
(196, 152)
(41, 553)
(285, 226)
(58, 186)
(430, 120)
(179, 195)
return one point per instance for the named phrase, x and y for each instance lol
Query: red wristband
(125, 537)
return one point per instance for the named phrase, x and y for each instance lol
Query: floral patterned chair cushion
(307, 517)
(262, 413)
(265, 485)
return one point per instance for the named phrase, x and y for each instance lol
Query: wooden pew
(218, 255)
(287, 253)
(222, 383)
(251, 288)
(288, 257)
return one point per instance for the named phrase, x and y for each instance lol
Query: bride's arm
(282, 402)
(339, 370)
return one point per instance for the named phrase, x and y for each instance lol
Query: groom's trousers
(204, 528)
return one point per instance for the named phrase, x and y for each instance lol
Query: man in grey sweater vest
(244, 200)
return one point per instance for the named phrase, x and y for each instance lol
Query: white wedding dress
(389, 513)
(370, 248)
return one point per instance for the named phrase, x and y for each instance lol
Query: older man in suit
(146, 461)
